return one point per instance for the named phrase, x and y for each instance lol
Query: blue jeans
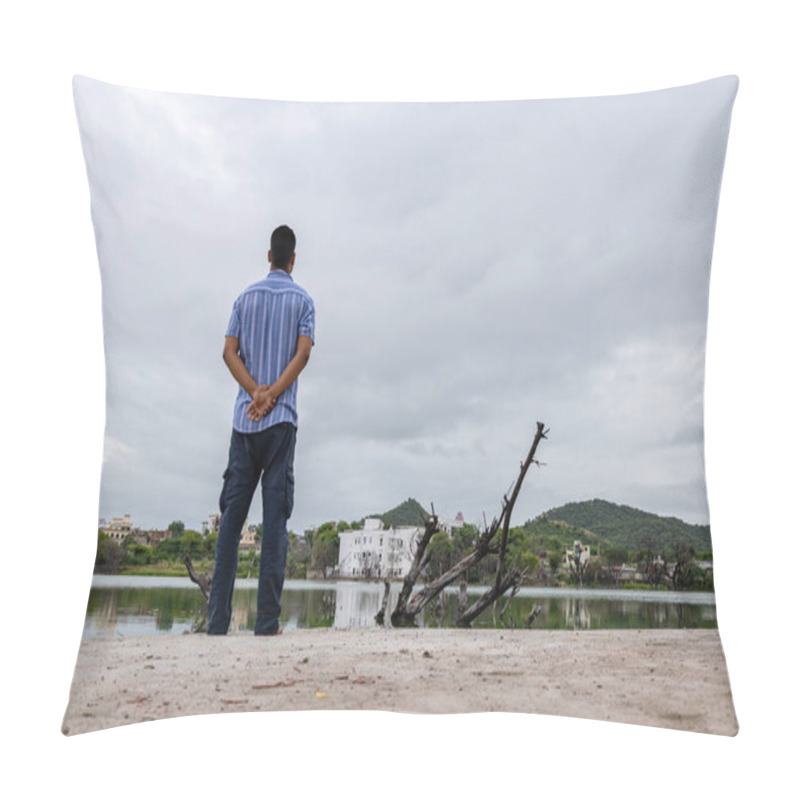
(267, 456)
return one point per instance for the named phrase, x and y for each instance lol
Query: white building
(449, 525)
(376, 553)
(577, 556)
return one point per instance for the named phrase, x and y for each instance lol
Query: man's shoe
(276, 633)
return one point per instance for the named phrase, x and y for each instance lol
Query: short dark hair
(282, 244)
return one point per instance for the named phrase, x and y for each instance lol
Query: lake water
(121, 605)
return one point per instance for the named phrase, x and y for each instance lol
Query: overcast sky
(476, 267)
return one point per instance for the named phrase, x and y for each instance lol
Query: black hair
(282, 244)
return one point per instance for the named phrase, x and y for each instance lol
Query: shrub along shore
(627, 549)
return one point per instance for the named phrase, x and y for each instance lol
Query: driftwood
(408, 607)
(418, 564)
(203, 581)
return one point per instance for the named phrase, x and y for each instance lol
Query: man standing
(267, 344)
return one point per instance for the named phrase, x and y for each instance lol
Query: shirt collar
(279, 274)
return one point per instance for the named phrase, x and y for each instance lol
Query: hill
(599, 523)
(409, 512)
(620, 525)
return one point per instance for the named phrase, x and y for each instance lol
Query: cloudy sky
(476, 267)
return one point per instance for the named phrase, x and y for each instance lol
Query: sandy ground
(665, 678)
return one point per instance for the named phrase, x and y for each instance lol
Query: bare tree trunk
(421, 559)
(406, 610)
(513, 578)
(203, 581)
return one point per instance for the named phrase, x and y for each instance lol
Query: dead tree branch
(203, 581)
(407, 609)
(511, 580)
(421, 559)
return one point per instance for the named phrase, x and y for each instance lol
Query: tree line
(538, 547)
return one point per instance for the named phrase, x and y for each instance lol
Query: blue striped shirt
(267, 318)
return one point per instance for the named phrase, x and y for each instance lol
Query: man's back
(267, 319)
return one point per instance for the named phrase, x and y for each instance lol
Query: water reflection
(358, 603)
(576, 613)
(136, 606)
(130, 610)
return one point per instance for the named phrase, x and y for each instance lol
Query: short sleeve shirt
(267, 318)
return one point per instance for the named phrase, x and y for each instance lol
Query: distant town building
(376, 553)
(248, 540)
(139, 536)
(154, 537)
(118, 529)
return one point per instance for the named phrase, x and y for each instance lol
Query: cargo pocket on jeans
(289, 492)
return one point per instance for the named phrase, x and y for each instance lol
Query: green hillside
(628, 527)
(599, 523)
(409, 512)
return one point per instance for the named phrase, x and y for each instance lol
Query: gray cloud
(475, 267)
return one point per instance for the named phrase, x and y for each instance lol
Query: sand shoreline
(665, 678)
